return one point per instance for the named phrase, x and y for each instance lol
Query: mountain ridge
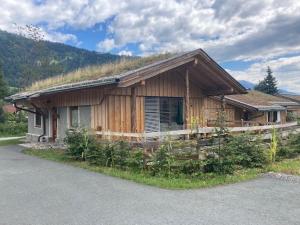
(25, 61)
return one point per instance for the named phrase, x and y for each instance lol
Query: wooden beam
(218, 92)
(133, 109)
(187, 99)
(153, 71)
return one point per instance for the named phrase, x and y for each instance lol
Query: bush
(117, 154)
(136, 160)
(291, 148)
(162, 161)
(246, 152)
(237, 152)
(78, 142)
(190, 167)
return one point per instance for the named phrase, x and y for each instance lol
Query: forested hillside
(24, 60)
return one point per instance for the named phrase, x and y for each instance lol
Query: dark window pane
(171, 113)
(38, 120)
(275, 117)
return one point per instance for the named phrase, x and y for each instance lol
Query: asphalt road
(36, 192)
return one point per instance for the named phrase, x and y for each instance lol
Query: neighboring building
(9, 108)
(257, 108)
(161, 96)
(295, 98)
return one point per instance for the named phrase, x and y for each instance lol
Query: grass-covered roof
(96, 72)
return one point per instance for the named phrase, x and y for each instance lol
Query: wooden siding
(111, 105)
(213, 106)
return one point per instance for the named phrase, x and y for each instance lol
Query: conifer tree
(269, 84)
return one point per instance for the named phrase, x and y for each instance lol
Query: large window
(74, 119)
(171, 114)
(163, 114)
(37, 120)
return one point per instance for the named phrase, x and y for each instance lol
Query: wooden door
(54, 124)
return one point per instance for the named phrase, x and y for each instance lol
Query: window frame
(35, 120)
(71, 108)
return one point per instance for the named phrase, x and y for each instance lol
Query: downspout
(44, 129)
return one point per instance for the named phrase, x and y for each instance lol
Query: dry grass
(95, 72)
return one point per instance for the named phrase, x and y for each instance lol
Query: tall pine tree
(269, 84)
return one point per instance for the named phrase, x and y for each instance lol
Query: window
(171, 114)
(37, 120)
(274, 117)
(74, 120)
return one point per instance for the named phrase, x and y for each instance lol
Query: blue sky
(243, 36)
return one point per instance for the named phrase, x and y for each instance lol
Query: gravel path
(37, 192)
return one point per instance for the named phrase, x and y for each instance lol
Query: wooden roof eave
(192, 57)
(152, 71)
(242, 105)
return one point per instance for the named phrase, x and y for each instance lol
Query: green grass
(11, 142)
(205, 181)
(95, 72)
(288, 166)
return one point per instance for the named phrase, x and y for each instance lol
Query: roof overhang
(258, 108)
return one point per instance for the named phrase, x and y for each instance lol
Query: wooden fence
(200, 131)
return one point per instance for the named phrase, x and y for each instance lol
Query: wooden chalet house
(161, 96)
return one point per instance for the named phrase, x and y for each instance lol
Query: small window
(74, 121)
(37, 120)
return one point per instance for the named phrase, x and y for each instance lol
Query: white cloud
(125, 53)
(106, 45)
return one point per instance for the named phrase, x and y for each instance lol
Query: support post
(187, 101)
(223, 103)
(133, 109)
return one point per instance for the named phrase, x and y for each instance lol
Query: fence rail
(202, 130)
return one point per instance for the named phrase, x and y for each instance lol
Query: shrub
(96, 154)
(291, 148)
(78, 142)
(217, 164)
(109, 154)
(190, 167)
(162, 161)
(136, 160)
(237, 152)
(245, 151)
(118, 154)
